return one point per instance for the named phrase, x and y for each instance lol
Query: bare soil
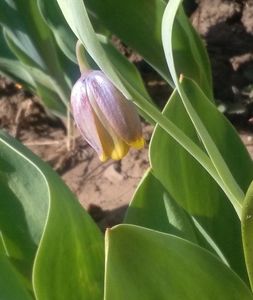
(227, 29)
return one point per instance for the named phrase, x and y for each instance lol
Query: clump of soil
(227, 28)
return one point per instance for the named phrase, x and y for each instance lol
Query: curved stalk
(81, 59)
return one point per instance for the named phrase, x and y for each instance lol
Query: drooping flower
(107, 120)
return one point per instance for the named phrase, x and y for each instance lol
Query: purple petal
(119, 112)
(84, 116)
(102, 138)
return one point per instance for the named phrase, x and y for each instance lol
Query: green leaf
(138, 24)
(22, 216)
(128, 74)
(70, 244)
(235, 181)
(189, 54)
(223, 135)
(78, 20)
(230, 186)
(32, 78)
(11, 286)
(127, 71)
(11, 67)
(30, 39)
(191, 186)
(118, 69)
(153, 208)
(29, 32)
(83, 29)
(184, 51)
(146, 264)
(63, 35)
(129, 22)
(247, 229)
(46, 87)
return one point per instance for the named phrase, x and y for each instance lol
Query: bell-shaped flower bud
(107, 120)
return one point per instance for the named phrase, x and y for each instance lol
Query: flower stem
(81, 57)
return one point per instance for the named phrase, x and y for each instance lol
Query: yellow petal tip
(103, 157)
(138, 144)
(120, 150)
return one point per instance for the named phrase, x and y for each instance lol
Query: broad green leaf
(22, 216)
(70, 245)
(11, 286)
(191, 186)
(138, 24)
(147, 207)
(153, 208)
(150, 265)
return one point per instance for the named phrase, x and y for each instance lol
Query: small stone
(249, 138)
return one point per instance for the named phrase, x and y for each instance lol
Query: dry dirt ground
(105, 189)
